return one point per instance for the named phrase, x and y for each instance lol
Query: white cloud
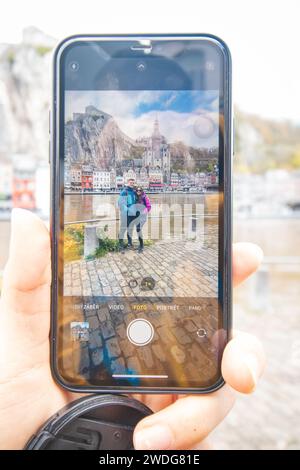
(117, 103)
(121, 105)
(173, 125)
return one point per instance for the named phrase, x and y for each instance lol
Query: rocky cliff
(25, 78)
(25, 91)
(93, 137)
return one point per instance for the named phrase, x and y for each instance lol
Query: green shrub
(89, 257)
(106, 245)
(73, 242)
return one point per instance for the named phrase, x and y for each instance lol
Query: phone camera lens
(74, 66)
(141, 66)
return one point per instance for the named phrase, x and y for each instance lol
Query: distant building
(156, 152)
(200, 179)
(192, 179)
(174, 180)
(142, 178)
(86, 178)
(155, 179)
(207, 179)
(130, 174)
(67, 176)
(6, 179)
(119, 181)
(75, 178)
(112, 179)
(23, 187)
(101, 180)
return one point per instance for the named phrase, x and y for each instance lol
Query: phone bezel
(55, 212)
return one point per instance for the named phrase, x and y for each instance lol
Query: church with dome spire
(156, 155)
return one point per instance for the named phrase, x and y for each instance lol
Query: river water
(172, 216)
(277, 236)
(84, 207)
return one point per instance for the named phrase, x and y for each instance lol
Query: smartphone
(141, 213)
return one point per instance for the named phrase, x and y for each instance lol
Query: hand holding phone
(29, 395)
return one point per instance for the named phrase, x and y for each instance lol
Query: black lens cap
(95, 422)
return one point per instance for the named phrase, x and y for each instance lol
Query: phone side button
(233, 137)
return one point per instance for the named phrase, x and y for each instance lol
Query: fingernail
(157, 437)
(251, 362)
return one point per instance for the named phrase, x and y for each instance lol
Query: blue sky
(179, 101)
(178, 112)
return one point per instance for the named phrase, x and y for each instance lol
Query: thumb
(29, 253)
(25, 301)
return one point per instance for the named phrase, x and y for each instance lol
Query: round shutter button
(140, 332)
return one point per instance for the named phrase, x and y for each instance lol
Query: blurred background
(264, 41)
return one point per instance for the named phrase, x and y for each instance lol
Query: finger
(29, 252)
(243, 362)
(156, 401)
(185, 423)
(25, 301)
(245, 261)
(206, 444)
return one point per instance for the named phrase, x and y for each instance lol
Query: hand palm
(28, 394)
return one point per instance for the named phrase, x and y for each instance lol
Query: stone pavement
(108, 294)
(176, 349)
(178, 267)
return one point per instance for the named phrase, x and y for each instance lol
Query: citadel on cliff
(99, 156)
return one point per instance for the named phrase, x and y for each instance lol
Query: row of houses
(87, 178)
(25, 184)
(197, 180)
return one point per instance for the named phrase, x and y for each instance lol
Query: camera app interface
(140, 237)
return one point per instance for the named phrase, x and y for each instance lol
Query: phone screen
(140, 292)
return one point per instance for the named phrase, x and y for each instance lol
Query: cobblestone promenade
(179, 268)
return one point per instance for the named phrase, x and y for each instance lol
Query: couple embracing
(134, 206)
